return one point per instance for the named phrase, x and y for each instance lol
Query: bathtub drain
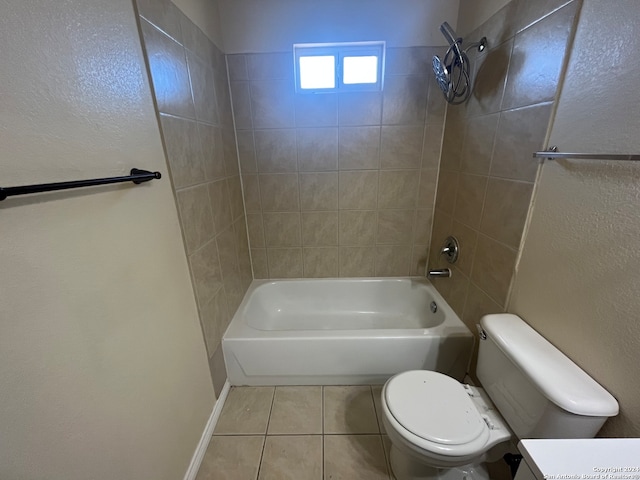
(434, 307)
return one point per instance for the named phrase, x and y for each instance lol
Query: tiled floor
(301, 433)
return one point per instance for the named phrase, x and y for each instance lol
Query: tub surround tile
(477, 305)
(354, 457)
(259, 263)
(427, 188)
(317, 149)
(446, 191)
(319, 229)
(536, 62)
(529, 13)
(285, 262)
(202, 87)
(296, 410)
(231, 458)
(282, 229)
(215, 318)
(359, 148)
(404, 100)
(184, 152)
(478, 144)
(246, 411)
(316, 110)
(220, 205)
(269, 65)
(241, 97)
(470, 199)
(456, 292)
(279, 192)
(353, 136)
(419, 260)
(490, 79)
(432, 145)
(357, 227)
(468, 238)
(320, 262)
(505, 211)
(395, 226)
(292, 458)
(422, 227)
(251, 190)
(206, 270)
(398, 189)
(392, 260)
(349, 409)
(408, 61)
(167, 60)
(357, 261)
(276, 150)
(163, 14)
(359, 108)
(520, 132)
(272, 103)
(358, 190)
(247, 151)
(401, 146)
(237, 66)
(319, 191)
(212, 151)
(493, 267)
(195, 216)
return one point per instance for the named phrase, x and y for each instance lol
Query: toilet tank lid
(557, 377)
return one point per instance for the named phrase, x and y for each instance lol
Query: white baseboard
(201, 449)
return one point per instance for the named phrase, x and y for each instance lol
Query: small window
(336, 67)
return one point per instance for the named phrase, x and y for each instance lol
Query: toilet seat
(436, 414)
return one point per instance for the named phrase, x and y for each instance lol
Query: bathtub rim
(451, 325)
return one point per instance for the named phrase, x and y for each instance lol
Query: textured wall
(192, 95)
(579, 275)
(337, 184)
(102, 363)
(487, 172)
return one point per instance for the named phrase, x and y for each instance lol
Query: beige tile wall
(189, 76)
(487, 170)
(337, 184)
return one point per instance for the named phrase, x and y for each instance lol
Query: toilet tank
(537, 389)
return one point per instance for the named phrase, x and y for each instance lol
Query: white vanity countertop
(593, 458)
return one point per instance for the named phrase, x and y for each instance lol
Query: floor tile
(354, 457)
(349, 410)
(377, 402)
(296, 410)
(246, 411)
(292, 457)
(231, 458)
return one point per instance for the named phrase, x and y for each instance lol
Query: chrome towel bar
(553, 154)
(137, 176)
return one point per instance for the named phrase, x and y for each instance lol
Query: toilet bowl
(435, 423)
(442, 429)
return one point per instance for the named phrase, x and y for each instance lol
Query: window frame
(339, 51)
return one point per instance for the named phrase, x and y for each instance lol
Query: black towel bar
(137, 176)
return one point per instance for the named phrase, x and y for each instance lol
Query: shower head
(452, 71)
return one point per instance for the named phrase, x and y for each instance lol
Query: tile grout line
(264, 444)
(322, 473)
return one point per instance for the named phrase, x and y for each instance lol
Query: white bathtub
(342, 332)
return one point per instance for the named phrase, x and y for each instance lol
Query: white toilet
(442, 429)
